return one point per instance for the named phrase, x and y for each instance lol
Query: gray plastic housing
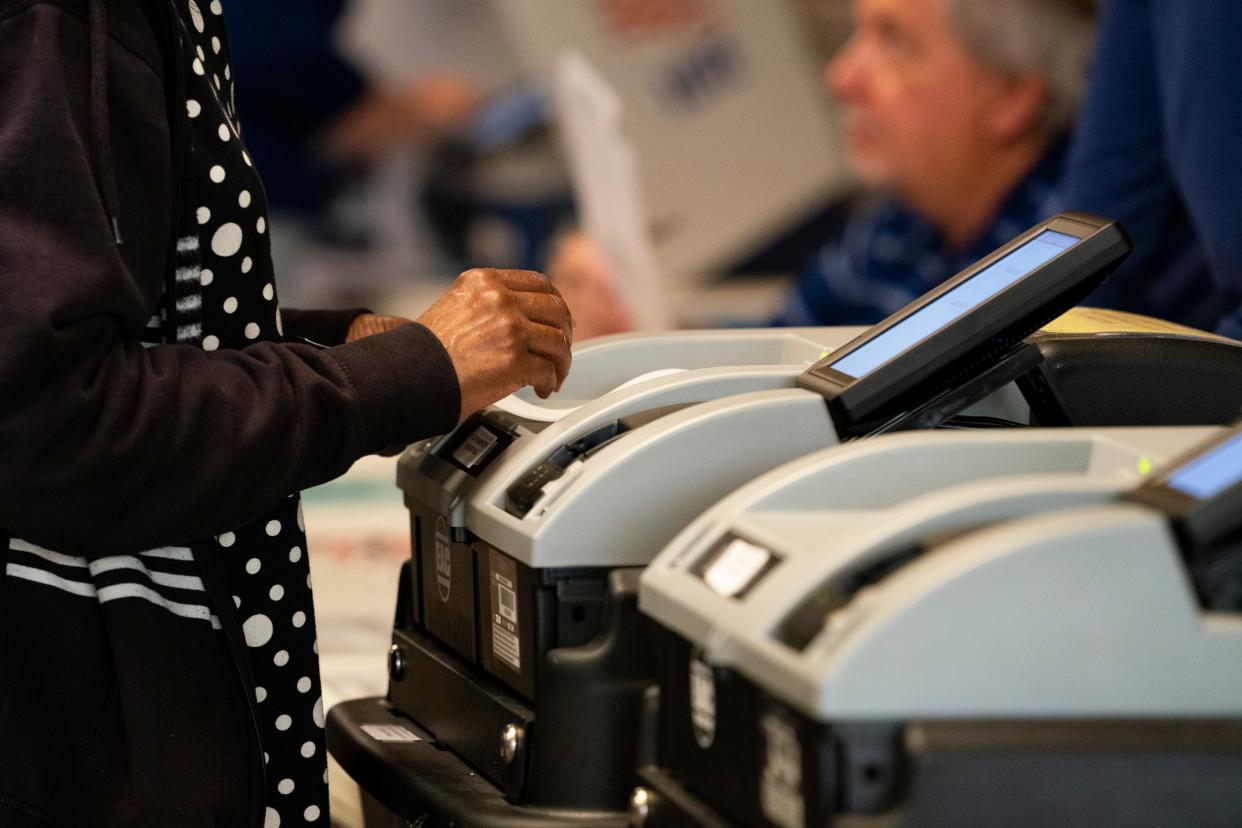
(1027, 603)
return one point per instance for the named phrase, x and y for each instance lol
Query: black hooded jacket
(130, 447)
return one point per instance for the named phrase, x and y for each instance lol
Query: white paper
(518, 407)
(607, 188)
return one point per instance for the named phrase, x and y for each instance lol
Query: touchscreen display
(1210, 474)
(956, 303)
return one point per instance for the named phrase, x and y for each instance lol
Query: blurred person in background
(957, 116)
(1158, 150)
(312, 112)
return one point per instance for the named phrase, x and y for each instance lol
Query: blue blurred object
(291, 82)
(1158, 150)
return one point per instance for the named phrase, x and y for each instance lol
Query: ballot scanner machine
(1040, 649)
(541, 528)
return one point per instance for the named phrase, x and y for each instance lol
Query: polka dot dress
(224, 296)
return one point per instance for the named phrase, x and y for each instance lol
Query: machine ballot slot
(968, 325)
(734, 566)
(812, 614)
(524, 494)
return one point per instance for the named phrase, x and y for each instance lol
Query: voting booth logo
(444, 560)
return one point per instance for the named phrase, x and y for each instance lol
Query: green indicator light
(824, 354)
(1144, 465)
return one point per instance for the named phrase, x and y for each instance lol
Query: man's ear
(1019, 108)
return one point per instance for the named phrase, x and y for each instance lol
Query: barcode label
(389, 733)
(507, 647)
(506, 628)
(508, 602)
(476, 446)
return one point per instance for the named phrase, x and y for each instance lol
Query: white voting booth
(695, 130)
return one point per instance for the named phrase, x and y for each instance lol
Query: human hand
(503, 330)
(581, 273)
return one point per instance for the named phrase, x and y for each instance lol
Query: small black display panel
(1202, 492)
(969, 324)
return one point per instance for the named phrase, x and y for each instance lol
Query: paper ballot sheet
(550, 413)
(607, 184)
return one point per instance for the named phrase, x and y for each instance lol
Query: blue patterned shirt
(887, 257)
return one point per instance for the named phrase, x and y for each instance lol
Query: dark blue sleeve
(283, 51)
(1153, 151)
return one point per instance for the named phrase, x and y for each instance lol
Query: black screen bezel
(1102, 245)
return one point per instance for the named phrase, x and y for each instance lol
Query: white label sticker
(702, 702)
(507, 647)
(736, 567)
(506, 629)
(780, 787)
(476, 446)
(389, 733)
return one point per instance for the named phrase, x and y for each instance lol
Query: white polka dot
(211, 343)
(266, 758)
(317, 713)
(283, 722)
(226, 540)
(247, 263)
(246, 158)
(198, 66)
(205, 276)
(258, 630)
(228, 72)
(217, 173)
(276, 593)
(215, 7)
(260, 694)
(299, 618)
(227, 240)
(269, 292)
(252, 331)
(308, 749)
(295, 554)
(254, 565)
(196, 16)
(224, 132)
(230, 305)
(215, 45)
(285, 786)
(325, 777)
(236, 602)
(315, 646)
(304, 684)
(280, 328)
(311, 813)
(261, 225)
(198, 50)
(273, 528)
(281, 658)
(271, 819)
(215, 79)
(243, 198)
(193, 108)
(203, 215)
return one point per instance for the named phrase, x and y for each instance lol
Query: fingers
(547, 309)
(550, 344)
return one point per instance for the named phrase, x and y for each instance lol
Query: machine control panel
(1202, 492)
